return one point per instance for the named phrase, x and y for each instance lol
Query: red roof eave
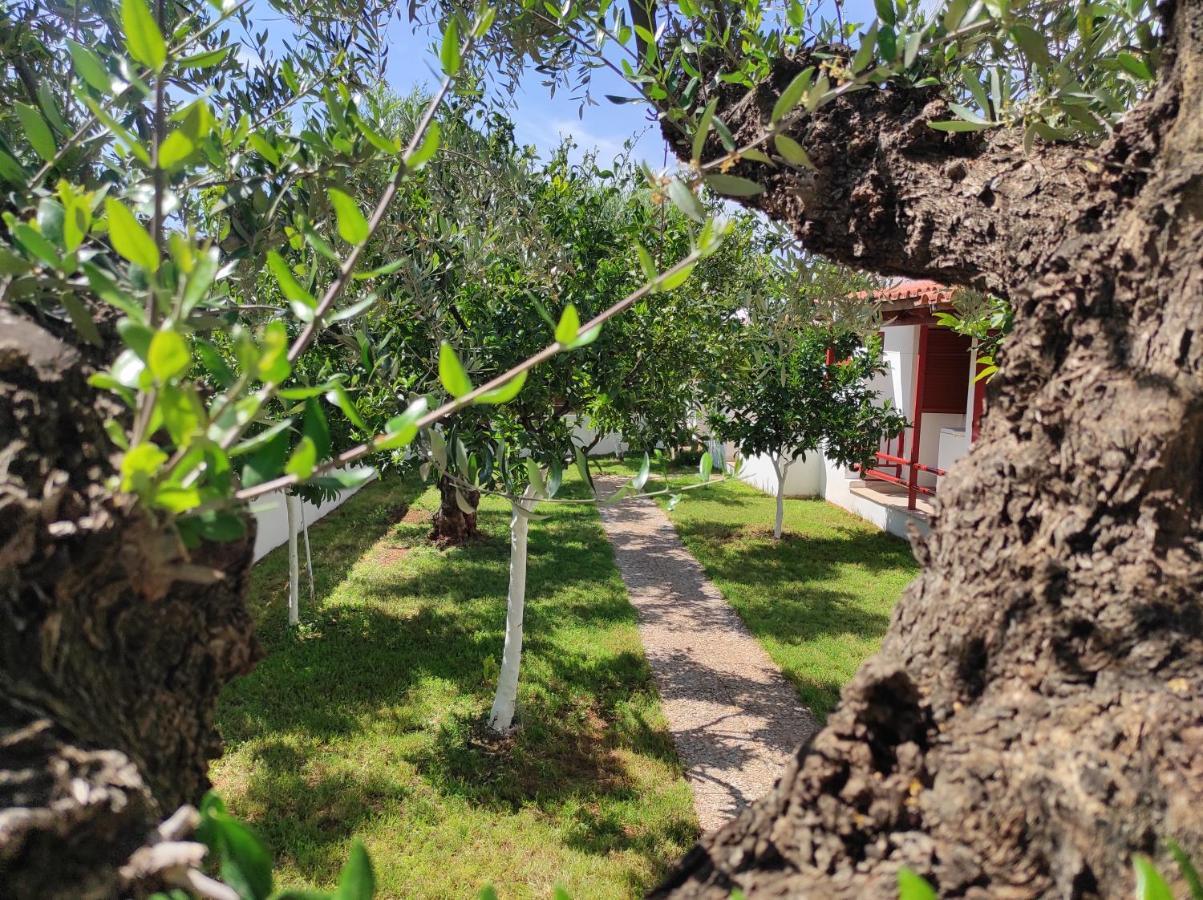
(911, 295)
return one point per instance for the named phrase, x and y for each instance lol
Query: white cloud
(546, 132)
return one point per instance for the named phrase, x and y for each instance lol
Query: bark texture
(893, 195)
(114, 642)
(451, 524)
(1035, 714)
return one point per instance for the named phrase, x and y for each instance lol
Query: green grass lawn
(365, 722)
(819, 600)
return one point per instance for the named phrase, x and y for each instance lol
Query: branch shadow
(826, 587)
(385, 642)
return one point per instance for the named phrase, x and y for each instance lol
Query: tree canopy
(153, 159)
(802, 381)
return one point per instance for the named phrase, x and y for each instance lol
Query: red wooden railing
(898, 461)
(910, 482)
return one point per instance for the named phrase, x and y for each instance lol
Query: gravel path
(734, 718)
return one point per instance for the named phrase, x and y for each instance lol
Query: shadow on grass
(396, 664)
(819, 599)
(338, 540)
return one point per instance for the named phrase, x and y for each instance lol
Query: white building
(930, 378)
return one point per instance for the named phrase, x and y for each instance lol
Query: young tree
(804, 390)
(590, 221)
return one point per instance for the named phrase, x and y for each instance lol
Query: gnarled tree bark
(1035, 714)
(451, 524)
(114, 644)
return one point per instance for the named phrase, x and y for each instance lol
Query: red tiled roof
(912, 295)
(925, 291)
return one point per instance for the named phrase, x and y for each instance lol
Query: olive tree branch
(337, 286)
(90, 120)
(458, 403)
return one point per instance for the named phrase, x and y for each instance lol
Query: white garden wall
(583, 434)
(271, 520)
(803, 479)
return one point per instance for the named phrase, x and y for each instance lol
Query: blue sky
(540, 118)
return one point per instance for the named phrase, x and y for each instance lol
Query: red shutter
(946, 367)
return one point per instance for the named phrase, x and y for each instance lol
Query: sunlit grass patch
(819, 600)
(366, 722)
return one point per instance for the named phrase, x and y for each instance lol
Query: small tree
(800, 392)
(641, 373)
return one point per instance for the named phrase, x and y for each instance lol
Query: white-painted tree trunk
(506, 699)
(780, 467)
(308, 553)
(292, 508)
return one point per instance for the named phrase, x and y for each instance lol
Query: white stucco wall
(804, 478)
(929, 441)
(610, 445)
(271, 520)
(900, 347)
(900, 344)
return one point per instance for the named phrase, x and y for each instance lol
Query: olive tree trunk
(1035, 713)
(452, 524)
(114, 641)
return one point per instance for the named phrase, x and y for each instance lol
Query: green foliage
(983, 317)
(211, 229)
(168, 223)
(1190, 874)
(365, 722)
(530, 240)
(798, 385)
(244, 864)
(207, 215)
(1149, 883)
(352, 226)
(1060, 71)
(913, 887)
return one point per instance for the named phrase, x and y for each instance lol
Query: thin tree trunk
(780, 473)
(505, 701)
(780, 468)
(292, 506)
(308, 554)
(1035, 714)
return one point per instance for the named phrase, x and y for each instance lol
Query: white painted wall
(888, 518)
(954, 443)
(803, 479)
(929, 441)
(610, 445)
(900, 348)
(271, 518)
(835, 483)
